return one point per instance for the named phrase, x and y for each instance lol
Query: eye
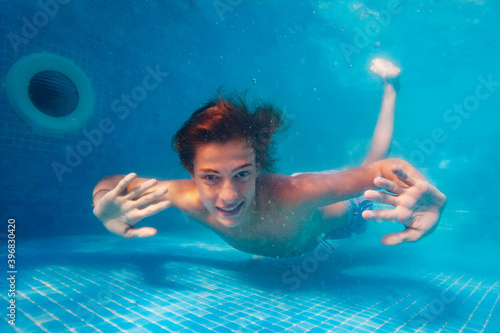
(242, 174)
(210, 180)
(210, 177)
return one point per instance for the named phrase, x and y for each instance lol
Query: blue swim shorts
(355, 223)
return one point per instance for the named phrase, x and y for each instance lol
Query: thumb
(395, 238)
(128, 231)
(140, 232)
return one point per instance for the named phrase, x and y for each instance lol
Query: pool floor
(199, 284)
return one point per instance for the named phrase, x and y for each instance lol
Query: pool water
(151, 64)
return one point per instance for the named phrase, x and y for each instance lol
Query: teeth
(229, 210)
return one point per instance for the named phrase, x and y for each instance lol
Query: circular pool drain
(53, 93)
(50, 93)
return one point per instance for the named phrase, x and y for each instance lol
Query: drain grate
(50, 93)
(53, 93)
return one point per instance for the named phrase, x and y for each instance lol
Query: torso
(275, 229)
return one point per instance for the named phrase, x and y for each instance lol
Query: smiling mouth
(230, 211)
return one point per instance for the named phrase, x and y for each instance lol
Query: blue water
(72, 275)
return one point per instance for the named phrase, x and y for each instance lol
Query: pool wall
(294, 56)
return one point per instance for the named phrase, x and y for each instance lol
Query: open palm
(418, 206)
(120, 210)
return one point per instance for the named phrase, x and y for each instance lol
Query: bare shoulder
(277, 187)
(270, 182)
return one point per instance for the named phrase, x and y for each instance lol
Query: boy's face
(225, 175)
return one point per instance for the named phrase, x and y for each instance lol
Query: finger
(402, 175)
(150, 197)
(395, 238)
(388, 185)
(382, 197)
(140, 214)
(384, 215)
(137, 191)
(121, 187)
(140, 232)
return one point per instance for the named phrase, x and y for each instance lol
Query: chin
(230, 219)
(230, 223)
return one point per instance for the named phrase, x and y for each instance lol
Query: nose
(229, 193)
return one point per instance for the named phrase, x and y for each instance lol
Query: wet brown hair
(224, 119)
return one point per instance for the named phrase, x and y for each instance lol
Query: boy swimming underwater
(233, 192)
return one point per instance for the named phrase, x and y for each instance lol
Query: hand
(119, 211)
(418, 207)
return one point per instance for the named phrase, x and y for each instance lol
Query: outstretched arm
(418, 204)
(318, 190)
(122, 201)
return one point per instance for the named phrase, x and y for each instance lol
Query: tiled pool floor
(173, 283)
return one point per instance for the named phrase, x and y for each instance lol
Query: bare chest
(276, 232)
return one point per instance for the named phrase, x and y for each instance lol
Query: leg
(334, 216)
(382, 135)
(345, 217)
